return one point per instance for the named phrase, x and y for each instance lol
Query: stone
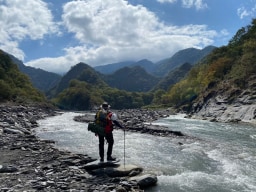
(145, 181)
(120, 171)
(7, 169)
(13, 131)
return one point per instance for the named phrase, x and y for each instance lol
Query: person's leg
(101, 147)
(110, 140)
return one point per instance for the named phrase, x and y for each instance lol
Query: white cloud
(106, 31)
(242, 12)
(198, 4)
(112, 31)
(21, 20)
(247, 11)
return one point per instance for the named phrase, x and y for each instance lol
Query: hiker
(107, 119)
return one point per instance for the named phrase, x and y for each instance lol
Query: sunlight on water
(221, 159)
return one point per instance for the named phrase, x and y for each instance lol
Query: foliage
(173, 77)
(14, 85)
(81, 95)
(233, 63)
(134, 79)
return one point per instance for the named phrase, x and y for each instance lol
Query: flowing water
(221, 158)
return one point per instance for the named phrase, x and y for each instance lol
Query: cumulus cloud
(105, 32)
(198, 4)
(114, 28)
(20, 20)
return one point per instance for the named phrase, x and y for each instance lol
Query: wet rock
(95, 165)
(7, 169)
(120, 171)
(145, 181)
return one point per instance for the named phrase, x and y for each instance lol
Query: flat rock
(120, 171)
(97, 165)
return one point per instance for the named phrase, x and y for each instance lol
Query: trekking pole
(124, 148)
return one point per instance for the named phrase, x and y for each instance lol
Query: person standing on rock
(106, 119)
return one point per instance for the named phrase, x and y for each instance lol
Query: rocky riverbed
(30, 164)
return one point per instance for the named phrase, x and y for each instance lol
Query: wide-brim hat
(105, 105)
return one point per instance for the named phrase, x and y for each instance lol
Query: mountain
(14, 85)
(81, 72)
(163, 67)
(149, 66)
(42, 80)
(223, 86)
(173, 77)
(134, 79)
(111, 68)
(190, 55)
(82, 88)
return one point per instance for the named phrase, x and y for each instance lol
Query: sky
(56, 35)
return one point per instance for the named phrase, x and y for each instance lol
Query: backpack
(98, 126)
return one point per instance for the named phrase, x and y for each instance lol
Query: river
(221, 158)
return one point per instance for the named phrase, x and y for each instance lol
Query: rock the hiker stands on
(132, 173)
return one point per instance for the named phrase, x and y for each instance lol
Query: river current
(221, 157)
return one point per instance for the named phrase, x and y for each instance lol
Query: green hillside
(40, 79)
(82, 88)
(134, 79)
(14, 85)
(173, 77)
(228, 69)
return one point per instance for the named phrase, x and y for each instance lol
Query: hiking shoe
(111, 158)
(101, 160)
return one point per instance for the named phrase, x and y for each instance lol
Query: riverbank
(30, 164)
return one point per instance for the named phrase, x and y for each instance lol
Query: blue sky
(55, 35)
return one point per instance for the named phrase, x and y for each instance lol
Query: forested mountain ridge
(41, 79)
(82, 88)
(112, 67)
(223, 86)
(190, 55)
(134, 79)
(14, 85)
(81, 72)
(163, 67)
(173, 77)
(46, 81)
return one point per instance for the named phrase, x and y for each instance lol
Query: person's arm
(118, 124)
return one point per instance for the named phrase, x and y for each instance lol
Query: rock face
(30, 164)
(232, 106)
